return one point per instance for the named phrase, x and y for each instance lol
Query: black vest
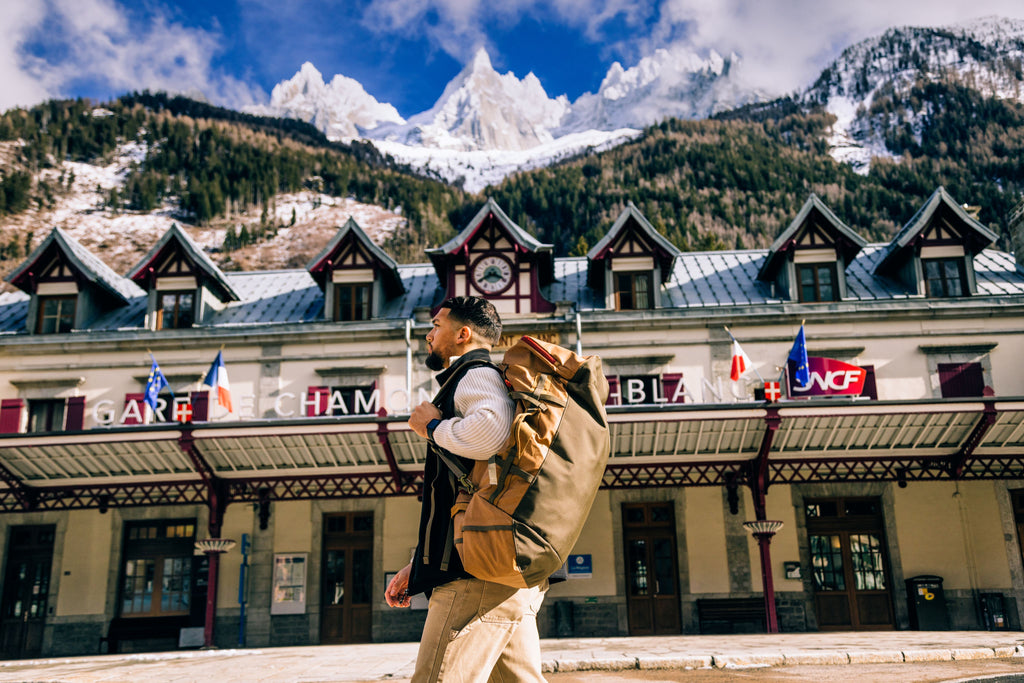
(436, 562)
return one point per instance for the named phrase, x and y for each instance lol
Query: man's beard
(434, 361)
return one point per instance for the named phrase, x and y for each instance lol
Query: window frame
(52, 410)
(815, 268)
(354, 305)
(961, 267)
(178, 309)
(634, 276)
(157, 548)
(69, 318)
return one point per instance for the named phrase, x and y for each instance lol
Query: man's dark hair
(479, 314)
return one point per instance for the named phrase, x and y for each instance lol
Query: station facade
(896, 469)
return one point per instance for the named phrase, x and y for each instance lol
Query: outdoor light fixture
(215, 545)
(763, 526)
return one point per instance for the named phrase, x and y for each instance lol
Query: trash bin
(927, 603)
(993, 612)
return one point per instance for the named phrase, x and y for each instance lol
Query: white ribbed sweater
(483, 416)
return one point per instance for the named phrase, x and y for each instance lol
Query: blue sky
(233, 52)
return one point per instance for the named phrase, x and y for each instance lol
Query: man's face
(442, 340)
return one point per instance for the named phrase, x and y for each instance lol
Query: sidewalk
(394, 661)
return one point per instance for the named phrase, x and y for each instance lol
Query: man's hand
(397, 593)
(421, 415)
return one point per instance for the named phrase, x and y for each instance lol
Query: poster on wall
(289, 589)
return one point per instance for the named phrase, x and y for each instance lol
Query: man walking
(475, 630)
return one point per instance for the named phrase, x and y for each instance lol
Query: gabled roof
(978, 236)
(661, 243)
(849, 242)
(321, 264)
(88, 266)
(175, 236)
(522, 238)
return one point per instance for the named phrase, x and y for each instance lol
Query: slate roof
(699, 280)
(197, 255)
(850, 242)
(982, 235)
(91, 267)
(393, 283)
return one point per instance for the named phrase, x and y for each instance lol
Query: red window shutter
(961, 379)
(317, 400)
(74, 417)
(614, 392)
(870, 389)
(134, 419)
(200, 401)
(672, 382)
(11, 411)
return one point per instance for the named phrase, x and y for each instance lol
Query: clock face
(492, 274)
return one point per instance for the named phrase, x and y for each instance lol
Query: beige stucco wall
(293, 527)
(705, 540)
(84, 564)
(238, 520)
(595, 540)
(956, 537)
(401, 525)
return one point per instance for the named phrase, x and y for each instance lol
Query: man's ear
(464, 335)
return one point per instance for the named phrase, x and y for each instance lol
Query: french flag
(217, 378)
(740, 362)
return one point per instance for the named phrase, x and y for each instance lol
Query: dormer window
(56, 314)
(817, 281)
(176, 310)
(633, 291)
(945, 272)
(807, 261)
(352, 301)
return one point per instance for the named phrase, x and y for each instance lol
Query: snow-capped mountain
(481, 109)
(986, 54)
(486, 125)
(669, 83)
(341, 109)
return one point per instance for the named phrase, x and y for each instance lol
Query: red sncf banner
(828, 377)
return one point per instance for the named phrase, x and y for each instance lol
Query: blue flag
(154, 384)
(798, 355)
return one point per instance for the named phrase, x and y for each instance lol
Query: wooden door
(849, 565)
(347, 582)
(652, 569)
(26, 591)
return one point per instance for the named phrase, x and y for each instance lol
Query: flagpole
(751, 366)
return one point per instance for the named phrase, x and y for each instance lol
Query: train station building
(883, 489)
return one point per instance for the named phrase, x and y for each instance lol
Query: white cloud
(94, 41)
(786, 43)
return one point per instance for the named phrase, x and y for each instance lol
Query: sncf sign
(828, 377)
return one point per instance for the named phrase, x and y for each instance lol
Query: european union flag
(154, 384)
(798, 354)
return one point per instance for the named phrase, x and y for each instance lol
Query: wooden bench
(724, 615)
(142, 628)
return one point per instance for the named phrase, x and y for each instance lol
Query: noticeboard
(289, 590)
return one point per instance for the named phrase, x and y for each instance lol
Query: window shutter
(614, 392)
(139, 418)
(74, 420)
(961, 379)
(870, 389)
(671, 382)
(11, 411)
(317, 400)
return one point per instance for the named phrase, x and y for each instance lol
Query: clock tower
(496, 259)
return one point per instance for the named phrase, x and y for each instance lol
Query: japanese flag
(740, 363)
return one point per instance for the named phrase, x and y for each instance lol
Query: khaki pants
(480, 631)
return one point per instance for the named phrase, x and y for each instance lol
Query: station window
(944, 277)
(158, 570)
(633, 291)
(961, 379)
(817, 282)
(176, 311)
(56, 314)
(46, 415)
(351, 302)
